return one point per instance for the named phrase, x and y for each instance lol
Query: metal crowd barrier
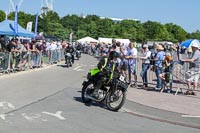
(13, 61)
(178, 75)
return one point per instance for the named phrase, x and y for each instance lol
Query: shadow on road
(92, 103)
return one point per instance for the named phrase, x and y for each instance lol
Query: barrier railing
(17, 61)
(182, 73)
(178, 76)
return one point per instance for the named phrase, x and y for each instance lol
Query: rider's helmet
(113, 54)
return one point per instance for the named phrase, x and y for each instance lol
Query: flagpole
(36, 24)
(16, 22)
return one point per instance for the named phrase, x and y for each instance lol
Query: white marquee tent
(87, 40)
(109, 40)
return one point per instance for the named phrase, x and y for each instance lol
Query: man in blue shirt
(159, 64)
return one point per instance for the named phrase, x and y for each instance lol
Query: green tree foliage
(176, 32)
(2, 15)
(23, 18)
(94, 26)
(195, 35)
(155, 31)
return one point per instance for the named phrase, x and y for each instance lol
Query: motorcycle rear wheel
(87, 89)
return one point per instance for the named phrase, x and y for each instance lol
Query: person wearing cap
(194, 66)
(145, 64)
(160, 56)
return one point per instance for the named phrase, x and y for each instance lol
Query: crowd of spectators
(157, 57)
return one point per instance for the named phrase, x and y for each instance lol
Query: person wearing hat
(194, 66)
(145, 64)
(160, 57)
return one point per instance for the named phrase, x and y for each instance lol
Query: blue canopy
(188, 42)
(6, 28)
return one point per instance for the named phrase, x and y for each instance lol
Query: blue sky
(184, 13)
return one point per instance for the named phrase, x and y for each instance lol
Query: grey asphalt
(30, 100)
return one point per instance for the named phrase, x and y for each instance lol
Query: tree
(155, 31)
(176, 32)
(195, 35)
(2, 15)
(23, 18)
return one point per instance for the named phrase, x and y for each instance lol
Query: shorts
(132, 68)
(124, 65)
(192, 76)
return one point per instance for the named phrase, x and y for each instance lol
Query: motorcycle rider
(70, 49)
(106, 66)
(78, 50)
(78, 47)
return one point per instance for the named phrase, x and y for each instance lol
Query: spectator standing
(194, 67)
(131, 57)
(160, 56)
(53, 48)
(124, 62)
(145, 65)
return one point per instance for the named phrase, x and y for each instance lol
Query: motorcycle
(112, 94)
(78, 54)
(68, 59)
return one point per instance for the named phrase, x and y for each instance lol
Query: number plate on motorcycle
(121, 78)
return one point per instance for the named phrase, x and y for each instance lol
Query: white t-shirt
(132, 52)
(146, 54)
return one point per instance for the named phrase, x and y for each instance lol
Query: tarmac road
(48, 101)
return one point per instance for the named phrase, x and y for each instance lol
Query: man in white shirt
(145, 64)
(132, 59)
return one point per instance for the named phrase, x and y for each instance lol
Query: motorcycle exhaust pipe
(92, 98)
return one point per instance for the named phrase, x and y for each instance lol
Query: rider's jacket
(106, 67)
(69, 50)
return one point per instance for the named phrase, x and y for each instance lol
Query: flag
(16, 21)
(29, 26)
(70, 37)
(36, 23)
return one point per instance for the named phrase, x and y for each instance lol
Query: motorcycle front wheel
(115, 100)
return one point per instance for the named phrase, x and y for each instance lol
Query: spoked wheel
(115, 101)
(87, 89)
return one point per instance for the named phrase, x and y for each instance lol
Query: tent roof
(5, 29)
(109, 40)
(87, 39)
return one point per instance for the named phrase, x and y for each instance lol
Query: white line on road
(58, 115)
(3, 116)
(6, 105)
(191, 116)
(31, 117)
(76, 68)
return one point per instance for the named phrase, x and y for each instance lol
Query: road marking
(6, 105)
(190, 116)
(31, 117)
(57, 114)
(3, 116)
(77, 68)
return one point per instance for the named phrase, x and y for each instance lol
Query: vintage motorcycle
(68, 59)
(78, 54)
(112, 94)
